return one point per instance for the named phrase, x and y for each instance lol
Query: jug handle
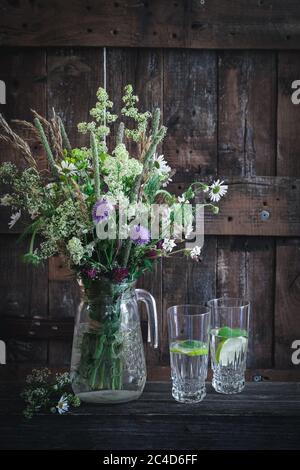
(145, 297)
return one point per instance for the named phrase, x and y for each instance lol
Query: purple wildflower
(91, 273)
(102, 210)
(119, 274)
(140, 235)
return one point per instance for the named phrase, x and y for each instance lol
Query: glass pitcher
(108, 362)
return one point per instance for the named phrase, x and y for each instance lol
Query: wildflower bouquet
(47, 392)
(95, 206)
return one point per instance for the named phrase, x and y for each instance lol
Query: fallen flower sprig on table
(47, 392)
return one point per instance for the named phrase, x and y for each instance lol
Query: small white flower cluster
(120, 169)
(168, 245)
(14, 219)
(6, 200)
(195, 253)
(76, 250)
(182, 199)
(62, 379)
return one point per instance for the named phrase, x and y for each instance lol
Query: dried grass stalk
(9, 136)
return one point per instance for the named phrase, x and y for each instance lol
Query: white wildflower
(5, 200)
(90, 248)
(188, 231)
(195, 253)
(166, 182)
(160, 164)
(119, 199)
(14, 219)
(68, 168)
(168, 244)
(50, 189)
(182, 199)
(62, 379)
(217, 190)
(119, 168)
(63, 405)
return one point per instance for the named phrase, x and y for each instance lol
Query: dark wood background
(221, 71)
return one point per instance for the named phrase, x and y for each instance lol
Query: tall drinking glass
(229, 343)
(189, 344)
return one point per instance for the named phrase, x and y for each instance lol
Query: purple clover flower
(91, 273)
(139, 235)
(102, 210)
(119, 274)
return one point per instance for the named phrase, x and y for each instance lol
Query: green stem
(107, 258)
(165, 193)
(94, 148)
(32, 242)
(198, 183)
(177, 251)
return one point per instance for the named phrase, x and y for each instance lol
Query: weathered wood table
(264, 416)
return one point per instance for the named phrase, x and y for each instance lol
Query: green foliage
(44, 392)
(131, 110)
(102, 115)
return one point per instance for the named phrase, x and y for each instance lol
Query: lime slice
(227, 332)
(218, 350)
(230, 349)
(189, 347)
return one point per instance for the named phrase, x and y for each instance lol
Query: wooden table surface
(264, 416)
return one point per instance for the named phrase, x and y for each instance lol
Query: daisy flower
(14, 219)
(168, 244)
(217, 190)
(68, 168)
(63, 405)
(166, 182)
(160, 164)
(195, 253)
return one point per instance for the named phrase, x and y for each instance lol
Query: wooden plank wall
(210, 24)
(228, 112)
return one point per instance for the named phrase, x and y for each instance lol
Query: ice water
(189, 360)
(228, 357)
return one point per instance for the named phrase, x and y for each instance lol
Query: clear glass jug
(108, 362)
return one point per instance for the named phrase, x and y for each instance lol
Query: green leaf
(227, 332)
